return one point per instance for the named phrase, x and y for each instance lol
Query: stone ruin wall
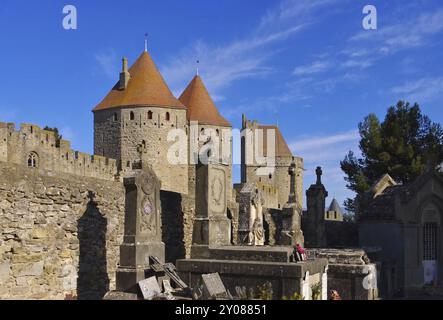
(17, 146)
(60, 234)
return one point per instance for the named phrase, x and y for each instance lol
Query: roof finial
(198, 63)
(146, 42)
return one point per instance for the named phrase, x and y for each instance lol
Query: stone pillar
(143, 235)
(315, 230)
(211, 226)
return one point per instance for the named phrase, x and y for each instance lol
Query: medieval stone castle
(62, 212)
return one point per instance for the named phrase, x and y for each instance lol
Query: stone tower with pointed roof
(334, 213)
(209, 125)
(255, 144)
(133, 121)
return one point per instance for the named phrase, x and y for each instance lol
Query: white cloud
(290, 10)
(421, 90)
(222, 64)
(407, 33)
(324, 143)
(108, 63)
(327, 151)
(315, 67)
(356, 63)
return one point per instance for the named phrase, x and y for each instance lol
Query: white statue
(256, 230)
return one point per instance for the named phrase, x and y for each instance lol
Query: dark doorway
(93, 280)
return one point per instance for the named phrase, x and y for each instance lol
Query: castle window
(32, 129)
(168, 116)
(144, 144)
(150, 115)
(32, 160)
(217, 132)
(131, 116)
(270, 176)
(128, 164)
(115, 117)
(67, 156)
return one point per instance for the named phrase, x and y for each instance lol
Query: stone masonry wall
(60, 234)
(120, 132)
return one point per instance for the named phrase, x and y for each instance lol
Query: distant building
(334, 213)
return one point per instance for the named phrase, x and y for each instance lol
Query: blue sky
(307, 65)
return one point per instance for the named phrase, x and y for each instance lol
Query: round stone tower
(133, 121)
(206, 125)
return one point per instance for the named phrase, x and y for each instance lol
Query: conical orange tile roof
(146, 87)
(200, 106)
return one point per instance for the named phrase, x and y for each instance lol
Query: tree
(58, 136)
(402, 146)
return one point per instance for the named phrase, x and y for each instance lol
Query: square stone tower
(254, 145)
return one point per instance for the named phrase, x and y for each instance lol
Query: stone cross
(319, 173)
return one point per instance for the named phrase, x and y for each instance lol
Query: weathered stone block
(31, 269)
(5, 271)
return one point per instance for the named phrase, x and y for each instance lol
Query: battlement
(37, 148)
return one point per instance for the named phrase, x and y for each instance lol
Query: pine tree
(402, 146)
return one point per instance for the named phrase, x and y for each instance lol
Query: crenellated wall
(30, 141)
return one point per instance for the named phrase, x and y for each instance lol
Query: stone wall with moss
(60, 234)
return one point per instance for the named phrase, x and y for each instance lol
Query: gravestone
(149, 288)
(167, 286)
(143, 236)
(213, 287)
(211, 226)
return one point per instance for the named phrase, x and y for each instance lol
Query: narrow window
(32, 160)
(150, 115)
(430, 232)
(131, 116)
(168, 116)
(115, 117)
